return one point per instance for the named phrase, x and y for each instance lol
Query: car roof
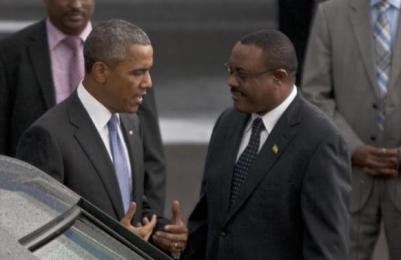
(11, 249)
(29, 198)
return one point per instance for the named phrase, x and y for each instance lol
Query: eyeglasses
(244, 75)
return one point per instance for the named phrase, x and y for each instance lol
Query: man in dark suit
(92, 141)
(277, 176)
(294, 20)
(32, 80)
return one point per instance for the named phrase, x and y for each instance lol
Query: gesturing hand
(174, 236)
(144, 229)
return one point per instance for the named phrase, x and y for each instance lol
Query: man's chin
(75, 27)
(240, 108)
(132, 109)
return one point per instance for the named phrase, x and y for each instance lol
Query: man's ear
(280, 75)
(100, 72)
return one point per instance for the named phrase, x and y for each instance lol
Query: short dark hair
(278, 49)
(109, 40)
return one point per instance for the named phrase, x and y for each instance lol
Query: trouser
(366, 224)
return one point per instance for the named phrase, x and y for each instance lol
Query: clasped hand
(377, 161)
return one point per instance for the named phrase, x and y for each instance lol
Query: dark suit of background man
(341, 76)
(294, 19)
(291, 199)
(32, 80)
(74, 143)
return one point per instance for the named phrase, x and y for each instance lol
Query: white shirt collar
(395, 3)
(99, 114)
(55, 36)
(270, 118)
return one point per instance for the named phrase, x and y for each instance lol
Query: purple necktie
(120, 161)
(76, 65)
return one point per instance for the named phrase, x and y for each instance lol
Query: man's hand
(174, 236)
(377, 161)
(144, 229)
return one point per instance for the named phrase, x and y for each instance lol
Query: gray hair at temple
(278, 49)
(109, 40)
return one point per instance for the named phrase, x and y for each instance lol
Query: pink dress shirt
(61, 56)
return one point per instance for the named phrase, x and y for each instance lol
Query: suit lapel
(133, 142)
(284, 131)
(39, 55)
(360, 14)
(94, 148)
(227, 163)
(395, 67)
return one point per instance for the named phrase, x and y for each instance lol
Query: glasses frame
(244, 76)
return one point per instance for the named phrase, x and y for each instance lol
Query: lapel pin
(130, 132)
(275, 149)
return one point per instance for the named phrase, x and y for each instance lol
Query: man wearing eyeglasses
(277, 176)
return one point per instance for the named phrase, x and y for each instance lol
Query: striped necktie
(383, 59)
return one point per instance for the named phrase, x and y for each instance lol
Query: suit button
(223, 234)
(373, 138)
(374, 105)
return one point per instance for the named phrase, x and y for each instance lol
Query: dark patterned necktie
(119, 161)
(246, 160)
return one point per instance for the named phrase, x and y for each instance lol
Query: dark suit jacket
(64, 143)
(27, 92)
(295, 18)
(294, 203)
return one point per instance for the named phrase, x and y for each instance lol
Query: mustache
(234, 89)
(75, 11)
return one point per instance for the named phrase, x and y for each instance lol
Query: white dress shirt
(100, 116)
(269, 121)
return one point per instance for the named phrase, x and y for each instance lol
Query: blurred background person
(294, 20)
(352, 72)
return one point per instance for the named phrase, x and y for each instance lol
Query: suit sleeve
(325, 202)
(154, 158)
(318, 85)
(38, 148)
(198, 220)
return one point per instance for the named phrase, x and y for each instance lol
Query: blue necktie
(246, 160)
(383, 59)
(120, 161)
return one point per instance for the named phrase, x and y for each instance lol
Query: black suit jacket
(295, 18)
(295, 201)
(27, 92)
(64, 143)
